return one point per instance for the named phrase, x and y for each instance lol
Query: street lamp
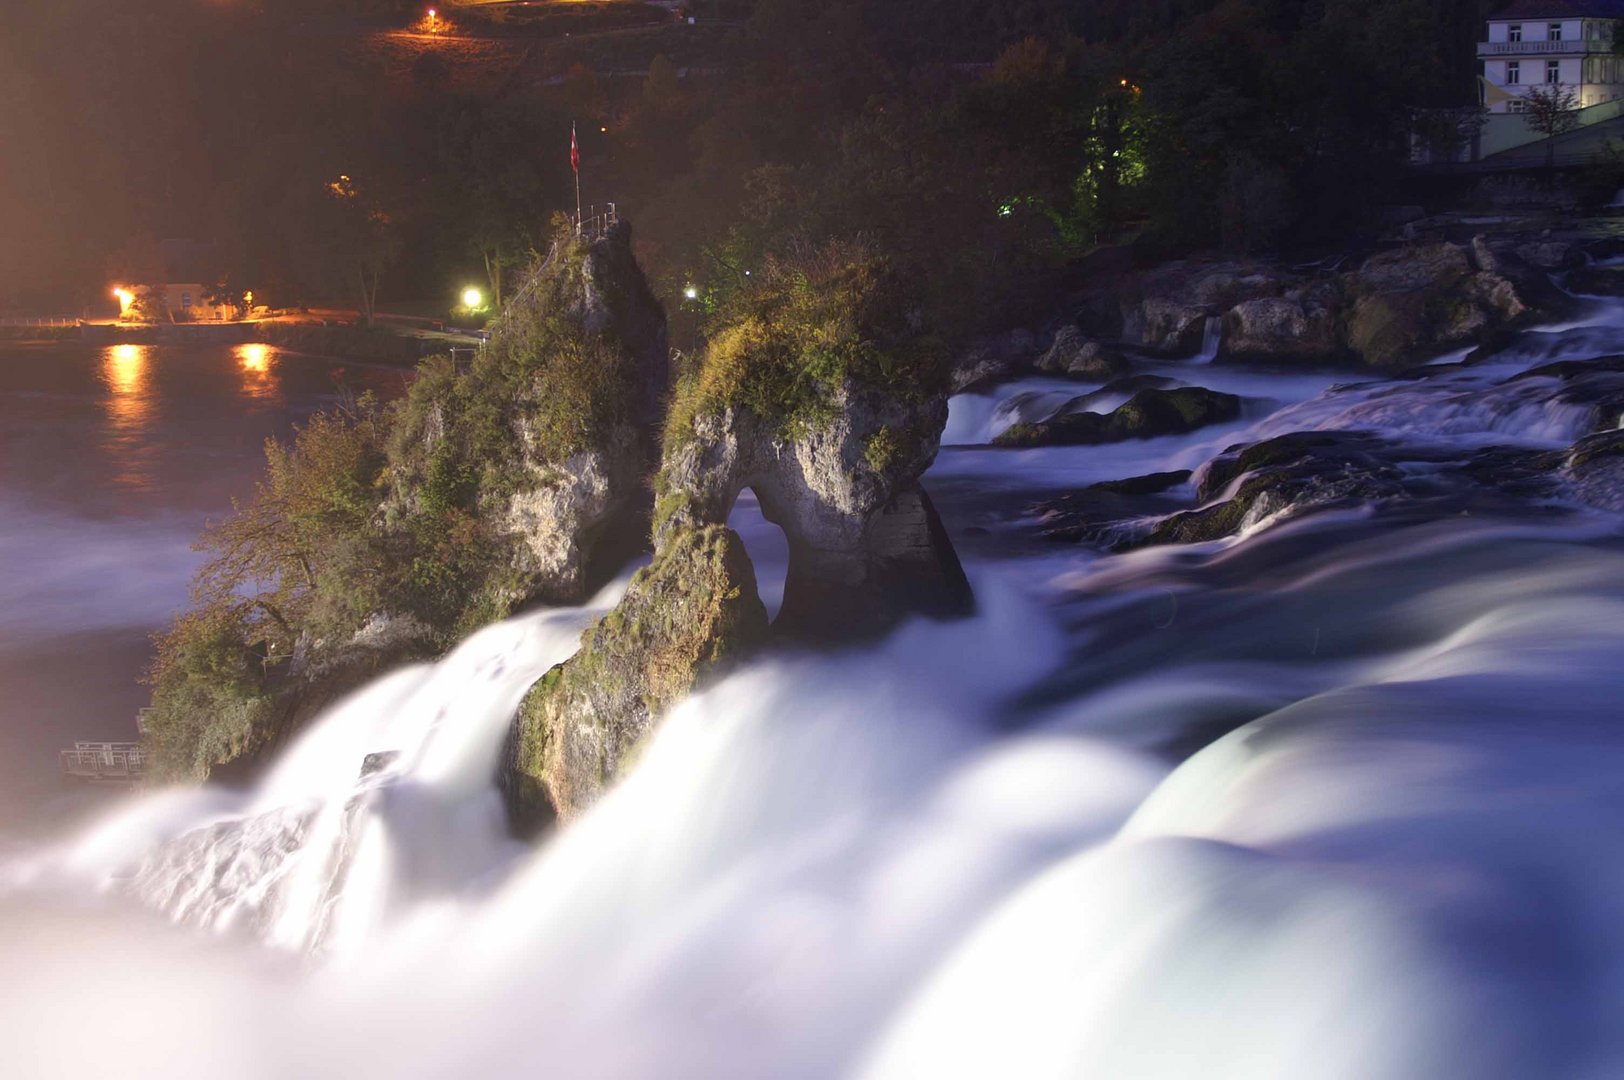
(691, 293)
(472, 299)
(434, 20)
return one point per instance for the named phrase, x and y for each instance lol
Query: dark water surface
(111, 460)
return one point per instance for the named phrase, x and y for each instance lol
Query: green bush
(810, 324)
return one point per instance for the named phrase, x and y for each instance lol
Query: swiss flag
(575, 150)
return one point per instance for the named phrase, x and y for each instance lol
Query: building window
(1553, 32)
(1553, 71)
(185, 300)
(1513, 72)
(1517, 106)
(1514, 32)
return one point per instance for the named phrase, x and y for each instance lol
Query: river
(111, 460)
(1335, 796)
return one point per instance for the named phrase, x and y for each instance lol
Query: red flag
(575, 151)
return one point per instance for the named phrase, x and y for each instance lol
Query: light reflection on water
(260, 381)
(131, 409)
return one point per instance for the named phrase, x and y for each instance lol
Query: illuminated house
(182, 295)
(1566, 43)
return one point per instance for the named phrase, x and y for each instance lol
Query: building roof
(1560, 9)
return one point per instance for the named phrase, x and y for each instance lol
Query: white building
(1566, 43)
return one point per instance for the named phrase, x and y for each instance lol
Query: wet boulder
(1148, 414)
(1103, 513)
(1411, 303)
(1167, 308)
(1292, 472)
(1283, 328)
(1597, 281)
(1073, 355)
(1595, 465)
(1414, 267)
(994, 358)
(688, 617)
(1550, 255)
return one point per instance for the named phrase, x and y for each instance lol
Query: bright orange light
(254, 358)
(125, 299)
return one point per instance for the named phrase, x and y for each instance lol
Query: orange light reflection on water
(259, 380)
(131, 410)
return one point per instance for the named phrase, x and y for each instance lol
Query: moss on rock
(689, 615)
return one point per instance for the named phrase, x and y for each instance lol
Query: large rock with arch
(866, 547)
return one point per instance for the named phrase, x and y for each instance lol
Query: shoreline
(338, 342)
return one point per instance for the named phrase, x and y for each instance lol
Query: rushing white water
(1334, 798)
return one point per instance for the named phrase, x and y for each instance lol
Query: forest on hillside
(960, 136)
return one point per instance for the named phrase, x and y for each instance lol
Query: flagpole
(575, 160)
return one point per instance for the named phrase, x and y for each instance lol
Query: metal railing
(596, 225)
(1543, 48)
(40, 320)
(104, 761)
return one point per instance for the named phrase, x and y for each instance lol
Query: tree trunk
(366, 297)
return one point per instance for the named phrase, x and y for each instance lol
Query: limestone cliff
(814, 393)
(551, 433)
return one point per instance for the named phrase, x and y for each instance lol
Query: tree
(361, 239)
(1444, 134)
(1552, 110)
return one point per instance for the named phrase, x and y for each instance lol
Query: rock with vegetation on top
(1412, 302)
(817, 398)
(686, 617)
(1148, 414)
(550, 435)
(812, 393)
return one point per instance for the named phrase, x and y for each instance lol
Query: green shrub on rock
(382, 535)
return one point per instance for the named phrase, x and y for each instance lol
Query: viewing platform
(104, 762)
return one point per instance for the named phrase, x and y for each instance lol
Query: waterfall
(1212, 337)
(1336, 797)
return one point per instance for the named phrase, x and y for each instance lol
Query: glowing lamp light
(125, 299)
(472, 298)
(691, 293)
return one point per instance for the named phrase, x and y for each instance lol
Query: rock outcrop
(1167, 309)
(552, 432)
(685, 618)
(1148, 414)
(866, 547)
(565, 511)
(1300, 326)
(1071, 354)
(816, 397)
(1397, 307)
(993, 359)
